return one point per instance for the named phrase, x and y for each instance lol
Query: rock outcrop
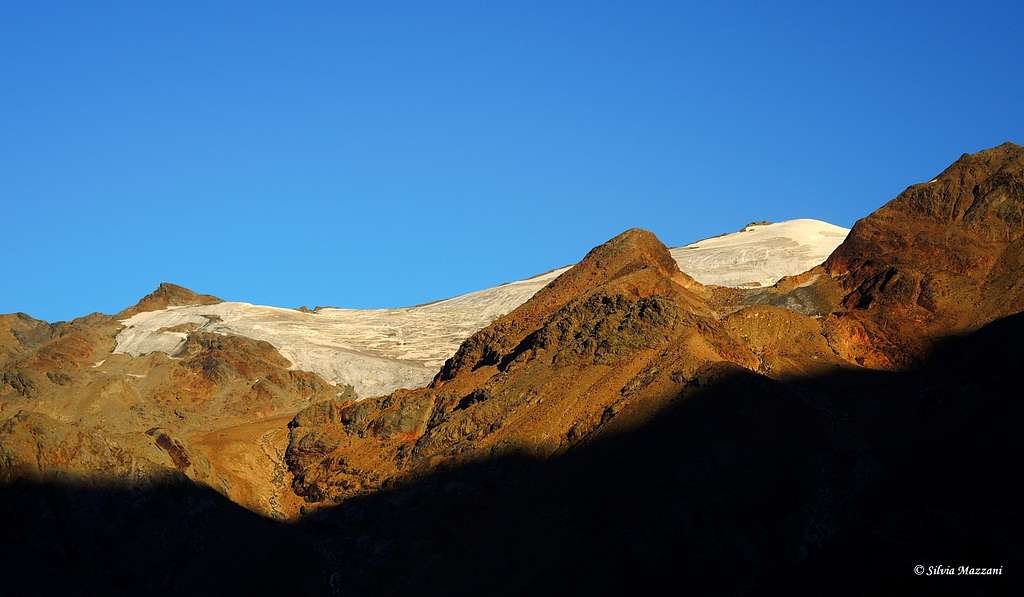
(941, 258)
(168, 295)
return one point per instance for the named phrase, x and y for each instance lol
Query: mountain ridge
(379, 350)
(742, 432)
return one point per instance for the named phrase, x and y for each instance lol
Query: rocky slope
(942, 257)
(600, 350)
(550, 372)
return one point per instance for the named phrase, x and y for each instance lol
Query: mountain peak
(168, 295)
(979, 198)
(633, 264)
(631, 251)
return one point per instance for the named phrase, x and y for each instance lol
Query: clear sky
(291, 153)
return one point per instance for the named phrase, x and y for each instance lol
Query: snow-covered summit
(760, 254)
(379, 350)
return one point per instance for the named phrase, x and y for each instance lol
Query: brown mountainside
(611, 342)
(612, 338)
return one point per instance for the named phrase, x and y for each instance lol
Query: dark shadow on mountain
(170, 537)
(832, 485)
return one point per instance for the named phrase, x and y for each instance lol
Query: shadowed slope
(167, 536)
(836, 484)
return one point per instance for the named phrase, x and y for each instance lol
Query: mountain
(377, 351)
(537, 379)
(187, 384)
(688, 429)
(599, 350)
(618, 426)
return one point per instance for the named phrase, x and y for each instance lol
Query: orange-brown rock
(20, 333)
(167, 295)
(35, 446)
(942, 257)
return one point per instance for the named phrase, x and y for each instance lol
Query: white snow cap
(760, 254)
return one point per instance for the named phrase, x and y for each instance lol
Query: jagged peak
(166, 295)
(971, 166)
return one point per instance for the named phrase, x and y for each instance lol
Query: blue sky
(330, 154)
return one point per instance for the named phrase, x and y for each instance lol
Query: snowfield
(379, 350)
(374, 350)
(760, 254)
